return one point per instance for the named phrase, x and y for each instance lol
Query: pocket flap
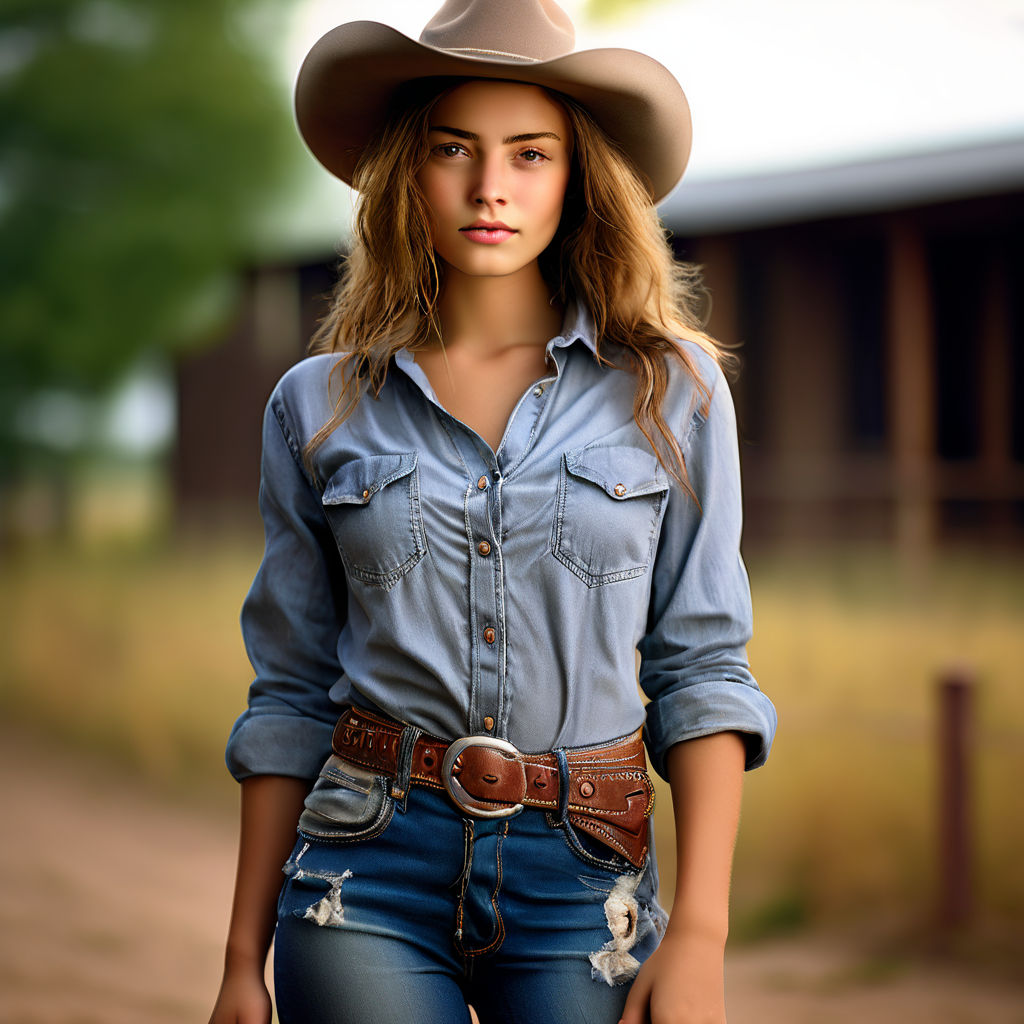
(619, 470)
(358, 480)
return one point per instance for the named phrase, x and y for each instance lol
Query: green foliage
(139, 143)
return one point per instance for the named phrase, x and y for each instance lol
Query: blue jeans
(399, 911)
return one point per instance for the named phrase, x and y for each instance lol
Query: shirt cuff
(702, 709)
(274, 744)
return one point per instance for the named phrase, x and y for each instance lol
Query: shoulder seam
(277, 406)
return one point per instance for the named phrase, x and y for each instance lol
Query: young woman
(512, 466)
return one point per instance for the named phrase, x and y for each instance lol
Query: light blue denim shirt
(456, 588)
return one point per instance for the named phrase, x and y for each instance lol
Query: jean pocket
(347, 804)
(609, 508)
(593, 852)
(373, 507)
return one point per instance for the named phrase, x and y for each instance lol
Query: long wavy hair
(609, 253)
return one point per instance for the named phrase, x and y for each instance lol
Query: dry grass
(134, 653)
(138, 654)
(844, 818)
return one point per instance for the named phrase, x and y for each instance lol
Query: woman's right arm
(271, 805)
(290, 621)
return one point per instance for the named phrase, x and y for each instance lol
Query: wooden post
(955, 896)
(911, 346)
(996, 399)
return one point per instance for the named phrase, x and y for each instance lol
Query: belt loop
(563, 783)
(403, 766)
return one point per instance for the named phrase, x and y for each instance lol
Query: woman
(512, 465)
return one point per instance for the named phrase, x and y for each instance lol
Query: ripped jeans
(398, 911)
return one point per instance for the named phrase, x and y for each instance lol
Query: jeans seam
(500, 936)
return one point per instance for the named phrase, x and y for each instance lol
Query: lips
(487, 232)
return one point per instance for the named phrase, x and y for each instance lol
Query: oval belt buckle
(459, 796)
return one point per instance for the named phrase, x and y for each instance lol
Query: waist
(603, 789)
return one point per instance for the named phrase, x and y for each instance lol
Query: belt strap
(610, 795)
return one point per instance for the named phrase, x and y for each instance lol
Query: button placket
(484, 535)
(483, 499)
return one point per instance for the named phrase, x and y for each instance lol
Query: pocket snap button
(620, 489)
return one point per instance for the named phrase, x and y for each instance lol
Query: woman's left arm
(707, 719)
(683, 981)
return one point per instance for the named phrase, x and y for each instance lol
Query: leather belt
(610, 796)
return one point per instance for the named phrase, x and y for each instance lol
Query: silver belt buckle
(460, 797)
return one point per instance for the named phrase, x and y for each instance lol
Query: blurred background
(856, 198)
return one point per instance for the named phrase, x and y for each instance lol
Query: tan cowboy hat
(350, 75)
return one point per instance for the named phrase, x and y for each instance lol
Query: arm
(707, 719)
(291, 620)
(271, 805)
(292, 615)
(683, 981)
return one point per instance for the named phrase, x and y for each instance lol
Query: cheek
(435, 193)
(553, 200)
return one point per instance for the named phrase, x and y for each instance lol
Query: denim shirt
(465, 590)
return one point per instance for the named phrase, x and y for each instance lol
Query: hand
(243, 999)
(682, 982)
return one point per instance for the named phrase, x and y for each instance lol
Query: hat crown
(521, 30)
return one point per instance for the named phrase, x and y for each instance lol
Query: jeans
(400, 911)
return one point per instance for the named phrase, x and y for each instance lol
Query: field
(135, 652)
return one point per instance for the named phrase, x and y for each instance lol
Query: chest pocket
(610, 504)
(373, 507)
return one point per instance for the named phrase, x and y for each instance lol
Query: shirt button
(366, 494)
(484, 548)
(489, 634)
(620, 489)
(482, 483)
(538, 391)
(488, 723)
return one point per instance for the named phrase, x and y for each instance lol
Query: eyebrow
(509, 140)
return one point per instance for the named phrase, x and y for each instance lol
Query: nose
(490, 187)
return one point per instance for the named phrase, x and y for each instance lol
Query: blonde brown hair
(610, 254)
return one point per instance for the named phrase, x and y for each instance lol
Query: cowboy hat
(350, 75)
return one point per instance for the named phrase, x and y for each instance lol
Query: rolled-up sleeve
(291, 620)
(694, 664)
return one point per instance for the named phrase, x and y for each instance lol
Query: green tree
(140, 142)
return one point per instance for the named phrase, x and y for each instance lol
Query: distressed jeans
(400, 911)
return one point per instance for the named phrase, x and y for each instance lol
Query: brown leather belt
(610, 796)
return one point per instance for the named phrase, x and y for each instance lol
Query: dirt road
(114, 904)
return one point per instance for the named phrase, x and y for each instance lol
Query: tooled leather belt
(610, 796)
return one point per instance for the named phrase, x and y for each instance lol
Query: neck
(492, 314)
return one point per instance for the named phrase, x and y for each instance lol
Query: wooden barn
(877, 307)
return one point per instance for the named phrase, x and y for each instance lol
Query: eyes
(454, 150)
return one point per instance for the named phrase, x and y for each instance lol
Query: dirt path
(114, 906)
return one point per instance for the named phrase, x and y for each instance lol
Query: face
(496, 176)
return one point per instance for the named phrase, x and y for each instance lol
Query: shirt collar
(577, 325)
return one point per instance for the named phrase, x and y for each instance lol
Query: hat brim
(348, 78)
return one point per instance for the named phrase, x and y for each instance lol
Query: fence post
(955, 897)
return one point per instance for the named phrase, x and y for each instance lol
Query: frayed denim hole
(613, 963)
